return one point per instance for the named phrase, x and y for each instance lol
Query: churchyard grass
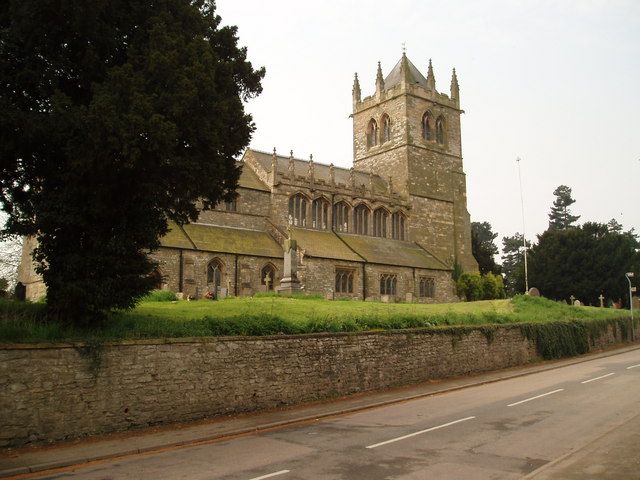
(271, 315)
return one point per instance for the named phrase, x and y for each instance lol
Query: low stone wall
(54, 392)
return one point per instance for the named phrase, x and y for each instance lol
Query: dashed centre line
(598, 378)
(419, 433)
(269, 475)
(533, 398)
(633, 366)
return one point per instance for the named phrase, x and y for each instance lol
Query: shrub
(470, 286)
(160, 296)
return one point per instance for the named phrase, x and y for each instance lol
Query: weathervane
(404, 48)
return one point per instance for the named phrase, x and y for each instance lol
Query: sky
(556, 83)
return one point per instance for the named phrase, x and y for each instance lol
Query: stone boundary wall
(55, 392)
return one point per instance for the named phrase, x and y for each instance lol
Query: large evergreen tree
(560, 217)
(116, 116)
(585, 261)
(483, 247)
(513, 264)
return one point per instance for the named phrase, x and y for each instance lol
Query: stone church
(391, 227)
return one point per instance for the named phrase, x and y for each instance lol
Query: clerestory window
(298, 210)
(380, 223)
(361, 219)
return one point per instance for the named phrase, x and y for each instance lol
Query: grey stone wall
(54, 392)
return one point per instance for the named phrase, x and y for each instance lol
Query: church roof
(212, 238)
(320, 172)
(392, 252)
(248, 179)
(323, 244)
(395, 75)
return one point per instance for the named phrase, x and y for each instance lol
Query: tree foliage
(483, 247)
(560, 217)
(513, 264)
(116, 117)
(584, 262)
(473, 286)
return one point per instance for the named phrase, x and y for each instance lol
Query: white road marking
(419, 433)
(269, 475)
(633, 366)
(598, 378)
(533, 398)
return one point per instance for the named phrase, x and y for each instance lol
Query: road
(549, 423)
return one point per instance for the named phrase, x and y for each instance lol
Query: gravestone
(409, 297)
(601, 298)
(533, 292)
(573, 299)
(577, 303)
(329, 295)
(222, 293)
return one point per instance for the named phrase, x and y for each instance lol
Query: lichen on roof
(392, 252)
(213, 238)
(323, 244)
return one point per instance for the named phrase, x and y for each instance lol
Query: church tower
(410, 132)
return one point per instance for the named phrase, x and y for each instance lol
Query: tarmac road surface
(573, 422)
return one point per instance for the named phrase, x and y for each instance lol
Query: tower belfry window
(372, 133)
(426, 127)
(440, 131)
(386, 128)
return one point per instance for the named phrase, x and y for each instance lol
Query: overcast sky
(554, 82)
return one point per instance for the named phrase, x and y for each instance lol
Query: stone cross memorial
(290, 282)
(601, 298)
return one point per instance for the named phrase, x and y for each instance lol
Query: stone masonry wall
(54, 392)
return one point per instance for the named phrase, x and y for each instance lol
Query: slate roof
(323, 244)
(392, 252)
(321, 170)
(395, 76)
(212, 238)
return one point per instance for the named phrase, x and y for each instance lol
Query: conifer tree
(560, 217)
(116, 116)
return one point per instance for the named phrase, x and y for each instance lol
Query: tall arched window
(372, 133)
(268, 272)
(341, 217)
(320, 214)
(298, 210)
(380, 223)
(397, 226)
(214, 275)
(361, 219)
(427, 126)
(386, 128)
(440, 131)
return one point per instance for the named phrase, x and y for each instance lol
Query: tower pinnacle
(455, 88)
(357, 94)
(379, 80)
(431, 79)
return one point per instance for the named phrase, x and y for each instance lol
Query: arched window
(440, 131)
(380, 222)
(298, 210)
(427, 126)
(344, 280)
(268, 276)
(386, 128)
(397, 226)
(388, 284)
(341, 217)
(214, 275)
(427, 287)
(320, 214)
(372, 133)
(361, 219)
